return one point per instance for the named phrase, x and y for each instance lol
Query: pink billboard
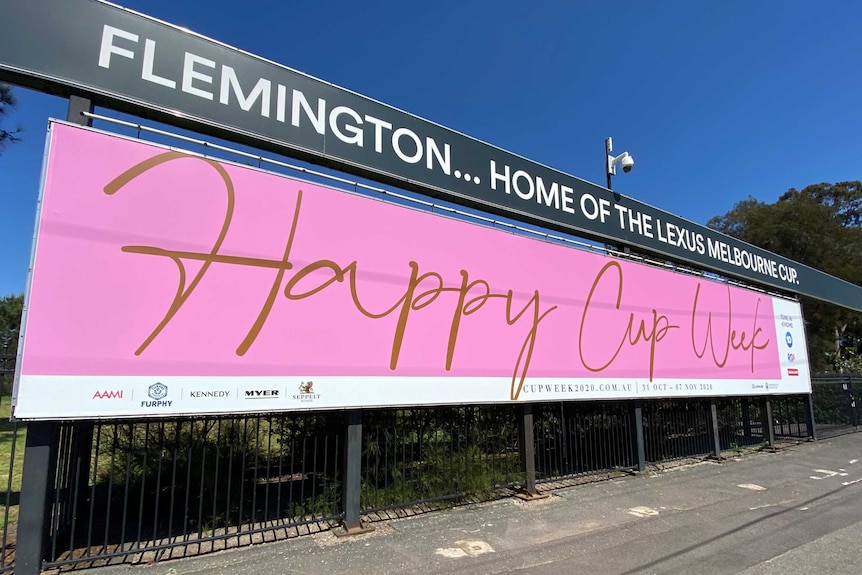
(166, 282)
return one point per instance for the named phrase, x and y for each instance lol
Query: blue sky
(716, 101)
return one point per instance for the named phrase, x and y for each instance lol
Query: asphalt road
(792, 512)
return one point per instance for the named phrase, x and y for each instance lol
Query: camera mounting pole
(625, 160)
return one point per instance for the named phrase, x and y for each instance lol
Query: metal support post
(809, 417)
(37, 485)
(82, 446)
(638, 445)
(77, 106)
(527, 448)
(768, 422)
(352, 524)
(713, 426)
(746, 420)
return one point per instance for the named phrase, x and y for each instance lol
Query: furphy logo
(158, 391)
(788, 339)
(261, 394)
(108, 394)
(306, 392)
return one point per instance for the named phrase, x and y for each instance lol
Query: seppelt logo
(158, 392)
(306, 392)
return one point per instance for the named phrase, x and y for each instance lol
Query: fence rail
(144, 491)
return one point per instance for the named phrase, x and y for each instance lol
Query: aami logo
(109, 394)
(792, 371)
(261, 393)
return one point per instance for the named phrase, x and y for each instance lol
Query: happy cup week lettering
(422, 289)
(656, 328)
(735, 340)
(653, 333)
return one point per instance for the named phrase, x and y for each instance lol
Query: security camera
(627, 163)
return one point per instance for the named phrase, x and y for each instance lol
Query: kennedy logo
(158, 391)
(109, 394)
(261, 393)
(218, 393)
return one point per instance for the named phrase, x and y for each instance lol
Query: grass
(9, 467)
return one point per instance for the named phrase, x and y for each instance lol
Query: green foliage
(11, 307)
(421, 454)
(820, 226)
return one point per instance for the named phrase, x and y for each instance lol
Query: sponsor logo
(772, 386)
(108, 394)
(757, 386)
(220, 393)
(788, 339)
(792, 371)
(261, 393)
(791, 358)
(306, 392)
(158, 391)
(786, 321)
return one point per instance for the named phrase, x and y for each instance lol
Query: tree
(11, 308)
(7, 102)
(820, 226)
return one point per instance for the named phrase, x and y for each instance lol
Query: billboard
(165, 282)
(135, 63)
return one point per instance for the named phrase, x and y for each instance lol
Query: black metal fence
(143, 491)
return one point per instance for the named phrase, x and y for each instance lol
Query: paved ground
(792, 512)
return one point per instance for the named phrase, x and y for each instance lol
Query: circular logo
(157, 390)
(788, 339)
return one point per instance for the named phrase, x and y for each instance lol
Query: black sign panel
(134, 63)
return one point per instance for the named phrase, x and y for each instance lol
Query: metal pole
(809, 417)
(83, 430)
(638, 447)
(746, 420)
(608, 150)
(768, 421)
(353, 477)
(37, 485)
(713, 424)
(527, 443)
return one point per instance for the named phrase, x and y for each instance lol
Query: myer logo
(261, 393)
(306, 392)
(158, 391)
(109, 394)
